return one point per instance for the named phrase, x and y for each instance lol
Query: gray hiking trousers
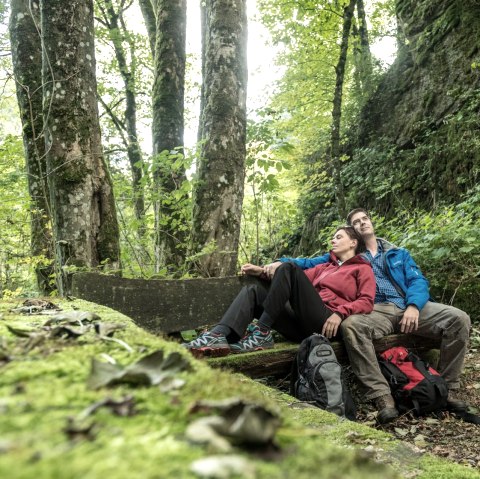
(449, 325)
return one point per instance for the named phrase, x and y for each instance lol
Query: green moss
(41, 389)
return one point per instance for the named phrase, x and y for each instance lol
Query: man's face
(362, 224)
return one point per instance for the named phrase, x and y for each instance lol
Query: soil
(443, 434)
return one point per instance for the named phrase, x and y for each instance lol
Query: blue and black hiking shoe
(254, 340)
(209, 344)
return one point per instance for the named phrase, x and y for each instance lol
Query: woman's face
(342, 243)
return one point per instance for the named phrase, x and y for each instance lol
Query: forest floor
(443, 435)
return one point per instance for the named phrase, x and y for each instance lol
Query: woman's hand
(330, 328)
(252, 269)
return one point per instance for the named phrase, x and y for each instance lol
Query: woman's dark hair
(352, 234)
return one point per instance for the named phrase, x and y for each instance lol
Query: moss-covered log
(47, 432)
(277, 362)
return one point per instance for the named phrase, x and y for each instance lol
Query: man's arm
(304, 263)
(416, 293)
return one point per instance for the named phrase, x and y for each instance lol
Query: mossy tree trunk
(113, 19)
(335, 164)
(219, 189)
(168, 127)
(27, 66)
(83, 209)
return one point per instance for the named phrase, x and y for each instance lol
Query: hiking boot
(209, 344)
(454, 403)
(254, 340)
(386, 409)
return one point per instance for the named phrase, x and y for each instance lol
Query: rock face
(418, 137)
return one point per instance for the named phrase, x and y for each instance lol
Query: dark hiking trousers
(291, 301)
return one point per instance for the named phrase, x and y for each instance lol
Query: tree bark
(335, 166)
(168, 126)
(219, 189)
(365, 66)
(119, 36)
(148, 13)
(27, 67)
(83, 209)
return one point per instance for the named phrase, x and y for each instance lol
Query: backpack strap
(467, 416)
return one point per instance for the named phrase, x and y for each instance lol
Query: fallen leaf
(206, 431)
(223, 467)
(21, 332)
(72, 317)
(401, 432)
(119, 407)
(171, 383)
(420, 440)
(76, 431)
(243, 422)
(148, 371)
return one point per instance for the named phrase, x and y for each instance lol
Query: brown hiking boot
(454, 403)
(386, 409)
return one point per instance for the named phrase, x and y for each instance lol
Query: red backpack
(415, 385)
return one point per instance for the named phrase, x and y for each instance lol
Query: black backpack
(415, 385)
(317, 378)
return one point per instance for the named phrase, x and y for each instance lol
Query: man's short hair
(354, 212)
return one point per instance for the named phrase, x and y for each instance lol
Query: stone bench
(170, 306)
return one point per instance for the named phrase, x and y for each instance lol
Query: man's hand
(331, 325)
(409, 322)
(271, 268)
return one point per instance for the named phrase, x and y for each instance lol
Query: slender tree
(168, 125)
(25, 39)
(335, 165)
(83, 209)
(219, 187)
(364, 66)
(112, 17)
(150, 18)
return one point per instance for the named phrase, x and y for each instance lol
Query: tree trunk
(27, 67)
(148, 13)
(335, 165)
(365, 66)
(119, 36)
(219, 190)
(83, 209)
(168, 126)
(203, 32)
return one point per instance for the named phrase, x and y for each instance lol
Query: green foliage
(445, 244)
(16, 263)
(137, 236)
(269, 212)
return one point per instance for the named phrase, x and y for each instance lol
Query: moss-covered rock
(44, 384)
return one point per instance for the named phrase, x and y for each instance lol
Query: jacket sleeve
(366, 285)
(306, 263)
(417, 288)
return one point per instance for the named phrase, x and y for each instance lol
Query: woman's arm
(363, 304)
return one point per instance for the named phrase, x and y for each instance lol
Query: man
(402, 305)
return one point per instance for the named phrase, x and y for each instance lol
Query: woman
(297, 304)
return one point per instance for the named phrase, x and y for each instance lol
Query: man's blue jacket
(403, 272)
